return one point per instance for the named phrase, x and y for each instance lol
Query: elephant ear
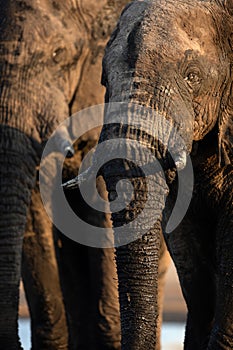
(226, 128)
(225, 123)
(228, 4)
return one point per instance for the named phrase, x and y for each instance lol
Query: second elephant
(44, 49)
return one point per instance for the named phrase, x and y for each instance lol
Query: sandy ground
(174, 306)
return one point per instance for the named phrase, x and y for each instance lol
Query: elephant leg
(104, 299)
(90, 285)
(222, 333)
(74, 275)
(104, 288)
(197, 279)
(41, 281)
(200, 295)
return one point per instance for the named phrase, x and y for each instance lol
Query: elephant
(46, 47)
(170, 64)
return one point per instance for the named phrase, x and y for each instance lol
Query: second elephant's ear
(229, 6)
(225, 125)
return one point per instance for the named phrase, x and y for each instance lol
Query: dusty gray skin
(176, 57)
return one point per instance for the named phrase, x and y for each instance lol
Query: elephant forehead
(153, 33)
(197, 32)
(169, 32)
(41, 31)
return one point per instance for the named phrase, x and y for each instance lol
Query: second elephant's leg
(74, 274)
(104, 289)
(90, 284)
(41, 281)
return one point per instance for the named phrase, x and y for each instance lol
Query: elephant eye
(192, 79)
(59, 55)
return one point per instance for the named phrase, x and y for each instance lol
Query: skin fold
(175, 57)
(50, 67)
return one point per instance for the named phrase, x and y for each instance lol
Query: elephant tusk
(67, 149)
(181, 161)
(78, 180)
(64, 143)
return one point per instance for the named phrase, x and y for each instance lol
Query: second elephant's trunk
(16, 180)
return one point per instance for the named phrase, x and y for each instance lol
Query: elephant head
(174, 59)
(45, 49)
(170, 56)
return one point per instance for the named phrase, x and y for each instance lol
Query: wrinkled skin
(176, 58)
(45, 49)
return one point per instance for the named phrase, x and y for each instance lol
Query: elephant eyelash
(193, 81)
(192, 78)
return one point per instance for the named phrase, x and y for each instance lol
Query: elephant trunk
(136, 256)
(17, 170)
(137, 266)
